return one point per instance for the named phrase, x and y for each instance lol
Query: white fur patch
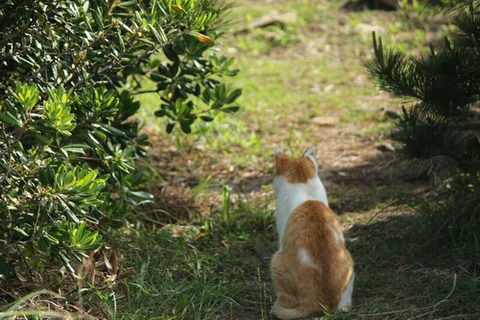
(305, 259)
(346, 299)
(278, 150)
(291, 195)
(337, 235)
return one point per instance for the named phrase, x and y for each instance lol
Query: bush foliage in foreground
(69, 147)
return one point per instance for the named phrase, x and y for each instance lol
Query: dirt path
(325, 99)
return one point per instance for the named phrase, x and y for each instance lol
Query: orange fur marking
(296, 170)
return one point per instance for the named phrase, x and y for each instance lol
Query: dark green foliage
(69, 147)
(445, 87)
(442, 123)
(190, 78)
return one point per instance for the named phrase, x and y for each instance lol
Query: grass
(202, 251)
(303, 84)
(212, 271)
(404, 279)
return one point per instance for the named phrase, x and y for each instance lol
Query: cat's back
(314, 246)
(314, 227)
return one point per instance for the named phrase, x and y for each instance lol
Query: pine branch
(391, 71)
(446, 82)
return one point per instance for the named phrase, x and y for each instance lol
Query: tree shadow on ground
(401, 272)
(380, 180)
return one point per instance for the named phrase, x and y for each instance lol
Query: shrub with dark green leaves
(69, 146)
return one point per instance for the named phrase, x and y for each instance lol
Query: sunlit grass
(289, 82)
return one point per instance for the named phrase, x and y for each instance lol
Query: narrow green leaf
(231, 109)
(170, 127)
(141, 195)
(220, 91)
(121, 43)
(159, 35)
(124, 26)
(109, 129)
(20, 230)
(76, 148)
(206, 118)
(233, 95)
(66, 262)
(10, 119)
(42, 139)
(98, 20)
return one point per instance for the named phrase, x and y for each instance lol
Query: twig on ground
(461, 316)
(434, 308)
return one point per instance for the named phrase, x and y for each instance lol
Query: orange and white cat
(312, 271)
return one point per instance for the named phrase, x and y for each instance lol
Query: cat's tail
(285, 313)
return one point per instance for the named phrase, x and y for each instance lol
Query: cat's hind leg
(284, 283)
(346, 298)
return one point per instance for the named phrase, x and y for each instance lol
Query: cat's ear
(278, 150)
(310, 153)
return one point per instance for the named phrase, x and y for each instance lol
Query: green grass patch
(215, 269)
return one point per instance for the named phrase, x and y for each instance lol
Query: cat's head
(296, 170)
